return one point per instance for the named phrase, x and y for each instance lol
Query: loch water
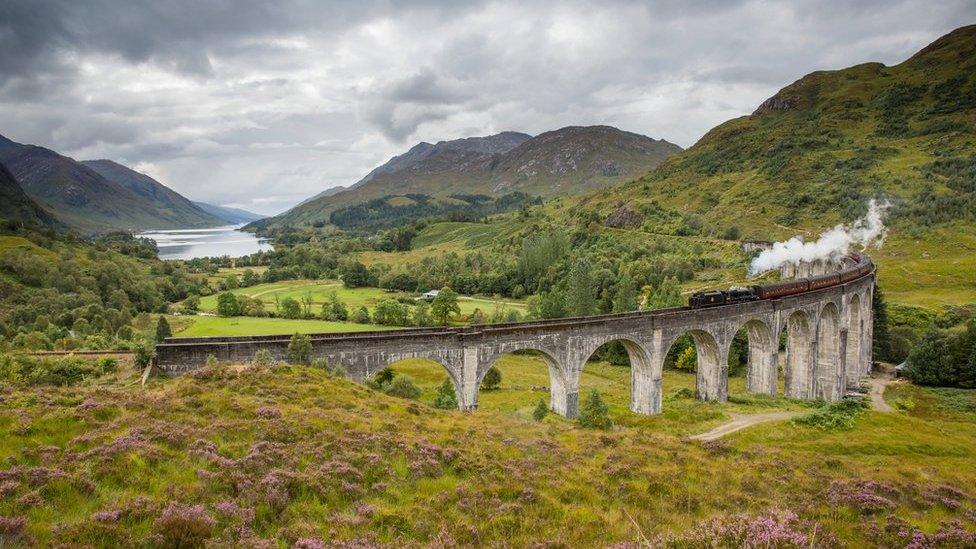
(214, 242)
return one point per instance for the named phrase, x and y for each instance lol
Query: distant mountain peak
(233, 216)
(498, 143)
(100, 195)
(564, 161)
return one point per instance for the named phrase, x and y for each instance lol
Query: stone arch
(829, 375)
(855, 338)
(799, 355)
(641, 371)
(710, 379)
(761, 365)
(563, 399)
(453, 375)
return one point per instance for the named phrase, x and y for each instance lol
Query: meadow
(199, 326)
(320, 290)
(525, 380)
(282, 455)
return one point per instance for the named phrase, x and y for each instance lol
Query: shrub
(227, 304)
(594, 413)
(492, 380)
(290, 308)
(421, 315)
(211, 361)
(403, 386)
(334, 308)
(773, 529)
(361, 316)
(836, 415)
(108, 365)
(391, 312)
(446, 398)
(300, 349)
(263, 357)
(144, 355)
(183, 525)
(381, 379)
(687, 360)
(338, 370)
(191, 304)
(945, 358)
(12, 530)
(61, 371)
(541, 410)
(320, 363)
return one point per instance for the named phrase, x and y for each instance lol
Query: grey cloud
(425, 87)
(266, 103)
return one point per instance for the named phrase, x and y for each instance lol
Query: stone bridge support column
(645, 379)
(713, 367)
(467, 388)
(564, 391)
(763, 359)
(867, 342)
(842, 369)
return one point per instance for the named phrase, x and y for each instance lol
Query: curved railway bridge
(828, 333)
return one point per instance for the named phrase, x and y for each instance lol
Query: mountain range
(96, 195)
(567, 161)
(17, 206)
(234, 216)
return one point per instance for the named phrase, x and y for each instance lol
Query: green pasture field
(201, 326)
(352, 297)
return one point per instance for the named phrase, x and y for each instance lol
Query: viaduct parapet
(827, 332)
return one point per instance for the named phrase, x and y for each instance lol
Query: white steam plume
(832, 245)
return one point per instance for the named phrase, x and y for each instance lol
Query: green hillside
(171, 205)
(813, 154)
(92, 202)
(17, 207)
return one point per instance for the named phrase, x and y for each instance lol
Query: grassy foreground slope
(281, 454)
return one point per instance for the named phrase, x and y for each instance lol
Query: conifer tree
(162, 329)
(594, 414)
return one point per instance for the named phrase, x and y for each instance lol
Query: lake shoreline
(226, 240)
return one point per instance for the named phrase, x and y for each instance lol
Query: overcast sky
(262, 104)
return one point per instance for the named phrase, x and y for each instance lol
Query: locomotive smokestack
(830, 247)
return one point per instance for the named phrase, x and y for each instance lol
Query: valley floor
(249, 455)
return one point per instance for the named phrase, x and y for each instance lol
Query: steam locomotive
(859, 265)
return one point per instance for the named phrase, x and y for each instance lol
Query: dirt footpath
(878, 385)
(741, 422)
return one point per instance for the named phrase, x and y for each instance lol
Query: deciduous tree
(445, 305)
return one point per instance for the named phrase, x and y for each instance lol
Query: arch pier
(828, 347)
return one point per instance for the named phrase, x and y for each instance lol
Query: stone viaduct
(827, 334)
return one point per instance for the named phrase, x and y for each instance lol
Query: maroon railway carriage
(857, 265)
